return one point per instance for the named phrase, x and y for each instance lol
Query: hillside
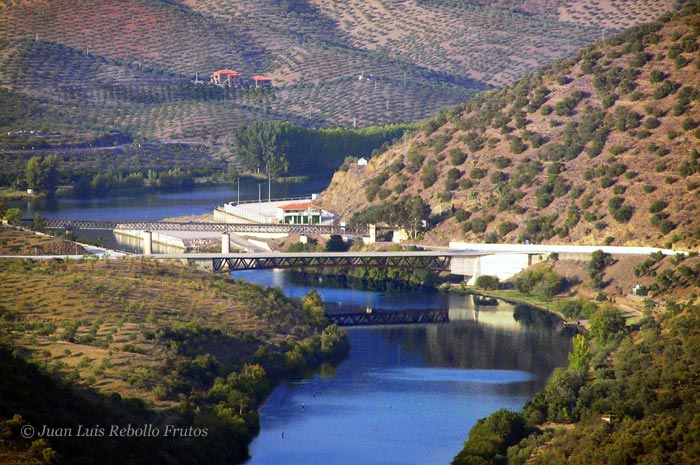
(128, 66)
(599, 148)
(129, 342)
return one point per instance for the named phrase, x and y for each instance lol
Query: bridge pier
(372, 233)
(147, 242)
(225, 242)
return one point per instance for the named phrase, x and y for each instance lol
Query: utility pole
(259, 201)
(238, 190)
(269, 184)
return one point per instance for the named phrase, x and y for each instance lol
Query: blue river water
(151, 206)
(407, 394)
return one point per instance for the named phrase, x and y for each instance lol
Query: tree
(580, 355)
(313, 305)
(13, 216)
(42, 173)
(607, 324)
(488, 282)
(596, 268)
(336, 244)
(39, 223)
(490, 438)
(260, 147)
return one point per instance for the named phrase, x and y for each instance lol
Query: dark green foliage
(525, 173)
(42, 173)
(577, 308)
(373, 185)
(488, 282)
(491, 437)
(626, 119)
(415, 159)
(462, 215)
(539, 228)
(656, 76)
(283, 147)
(474, 141)
(596, 267)
(543, 283)
(504, 227)
(607, 324)
(502, 162)
(478, 225)
(456, 156)
(409, 212)
(429, 174)
(336, 244)
(453, 174)
(566, 107)
(658, 206)
(620, 211)
(517, 145)
(557, 402)
(478, 173)
(664, 90)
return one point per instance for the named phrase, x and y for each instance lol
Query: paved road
(562, 249)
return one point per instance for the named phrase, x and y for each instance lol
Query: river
(407, 394)
(152, 206)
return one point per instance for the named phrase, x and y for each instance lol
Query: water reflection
(408, 394)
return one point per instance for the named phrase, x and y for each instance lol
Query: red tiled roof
(300, 206)
(226, 72)
(261, 78)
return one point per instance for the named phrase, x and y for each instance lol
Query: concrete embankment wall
(503, 265)
(232, 214)
(163, 242)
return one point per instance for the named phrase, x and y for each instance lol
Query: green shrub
(488, 282)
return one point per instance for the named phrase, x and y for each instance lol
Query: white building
(300, 213)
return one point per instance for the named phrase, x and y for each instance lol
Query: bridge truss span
(432, 262)
(304, 229)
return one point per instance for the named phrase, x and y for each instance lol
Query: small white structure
(362, 162)
(299, 213)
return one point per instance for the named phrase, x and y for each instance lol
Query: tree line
(282, 148)
(43, 175)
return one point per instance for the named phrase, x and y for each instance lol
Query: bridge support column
(226, 242)
(372, 231)
(147, 242)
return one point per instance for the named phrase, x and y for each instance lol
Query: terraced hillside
(81, 69)
(600, 148)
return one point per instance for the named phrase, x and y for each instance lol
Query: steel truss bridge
(433, 261)
(390, 317)
(303, 229)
